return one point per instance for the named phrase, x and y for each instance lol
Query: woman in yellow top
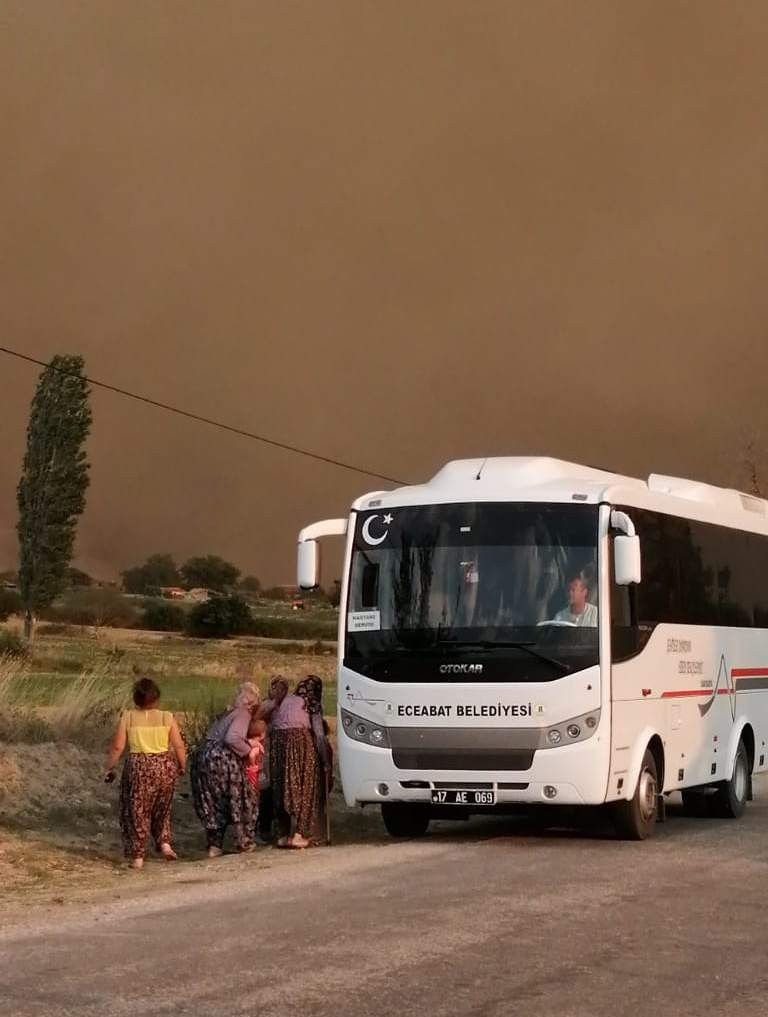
(156, 758)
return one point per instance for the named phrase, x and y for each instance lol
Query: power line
(207, 420)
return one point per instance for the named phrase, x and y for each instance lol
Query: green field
(92, 672)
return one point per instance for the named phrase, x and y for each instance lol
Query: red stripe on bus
(687, 692)
(749, 672)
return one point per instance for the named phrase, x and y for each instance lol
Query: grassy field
(192, 673)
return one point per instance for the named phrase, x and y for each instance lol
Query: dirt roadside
(60, 839)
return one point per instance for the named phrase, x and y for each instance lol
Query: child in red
(257, 732)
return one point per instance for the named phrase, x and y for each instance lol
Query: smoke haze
(394, 233)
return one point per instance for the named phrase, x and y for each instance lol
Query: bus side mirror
(308, 565)
(626, 560)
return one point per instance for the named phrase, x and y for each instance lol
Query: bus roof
(540, 478)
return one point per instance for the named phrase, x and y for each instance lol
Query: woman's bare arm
(117, 747)
(178, 746)
(266, 709)
(321, 742)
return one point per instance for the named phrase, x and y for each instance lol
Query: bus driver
(579, 610)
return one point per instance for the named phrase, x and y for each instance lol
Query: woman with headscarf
(298, 759)
(278, 690)
(222, 794)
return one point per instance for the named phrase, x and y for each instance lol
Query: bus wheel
(636, 819)
(730, 799)
(407, 819)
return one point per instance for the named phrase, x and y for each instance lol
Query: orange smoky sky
(393, 233)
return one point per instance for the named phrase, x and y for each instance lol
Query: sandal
(168, 853)
(215, 852)
(299, 843)
(284, 842)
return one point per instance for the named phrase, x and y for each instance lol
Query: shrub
(220, 618)
(12, 645)
(163, 616)
(10, 603)
(94, 607)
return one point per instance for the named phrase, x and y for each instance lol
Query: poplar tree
(54, 479)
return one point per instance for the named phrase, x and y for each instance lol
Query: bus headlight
(569, 731)
(365, 731)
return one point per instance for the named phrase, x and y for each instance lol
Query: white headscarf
(248, 695)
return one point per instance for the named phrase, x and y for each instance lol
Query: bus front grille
(451, 748)
(466, 759)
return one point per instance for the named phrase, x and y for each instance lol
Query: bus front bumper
(568, 775)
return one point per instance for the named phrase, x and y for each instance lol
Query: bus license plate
(461, 796)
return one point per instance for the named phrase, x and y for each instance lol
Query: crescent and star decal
(366, 531)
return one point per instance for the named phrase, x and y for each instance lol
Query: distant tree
(10, 603)
(54, 479)
(210, 572)
(275, 593)
(157, 571)
(334, 593)
(250, 584)
(220, 618)
(78, 578)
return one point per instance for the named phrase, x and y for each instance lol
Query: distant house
(198, 595)
(173, 592)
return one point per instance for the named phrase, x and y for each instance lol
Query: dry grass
(79, 712)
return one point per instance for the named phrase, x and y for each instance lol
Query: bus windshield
(511, 587)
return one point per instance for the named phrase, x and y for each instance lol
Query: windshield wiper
(489, 644)
(397, 652)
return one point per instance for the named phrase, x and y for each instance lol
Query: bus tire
(730, 799)
(405, 819)
(636, 819)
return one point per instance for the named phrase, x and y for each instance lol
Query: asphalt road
(488, 918)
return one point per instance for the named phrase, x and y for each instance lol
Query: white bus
(525, 630)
